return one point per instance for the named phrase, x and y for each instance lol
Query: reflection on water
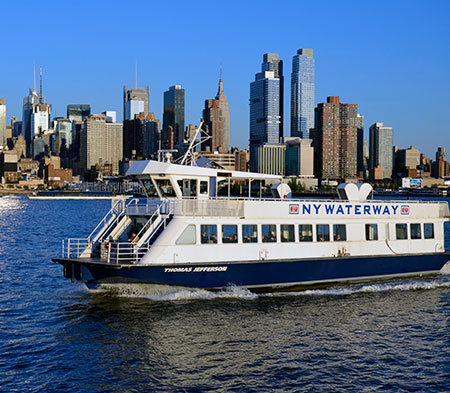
(58, 337)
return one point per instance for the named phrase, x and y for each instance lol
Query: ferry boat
(189, 236)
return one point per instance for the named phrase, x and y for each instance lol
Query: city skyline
(392, 73)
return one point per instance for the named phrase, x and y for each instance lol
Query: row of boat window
(229, 233)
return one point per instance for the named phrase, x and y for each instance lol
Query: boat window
(323, 232)
(415, 231)
(339, 233)
(371, 232)
(149, 187)
(188, 187)
(305, 233)
(203, 187)
(208, 233)
(249, 234)
(188, 236)
(287, 233)
(428, 231)
(229, 234)
(269, 233)
(401, 231)
(166, 187)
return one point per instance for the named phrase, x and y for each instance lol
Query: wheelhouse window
(323, 233)
(203, 187)
(428, 230)
(188, 187)
(165, 187)
(249, 233)
(371, 231)
(415, 231)
(287, 233)
(269, 233)
(188, 236)
(401, 232)
(305, 233)
(208, 233)
(339, 233)
(229, 234)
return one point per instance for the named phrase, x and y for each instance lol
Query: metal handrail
(132, 252)
(105, 220)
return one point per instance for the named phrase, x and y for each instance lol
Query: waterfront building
(216, 117)
(8, 167)
(78, 112)
(271, 159)
(440, 153)
(100, 143)
(2, 121)
(140, 136)
(302, 93)
(135, 101)
(271, 62)
(240, 160)
(335, 140)
(63, 136)
(265, 114)
(360, 145)
(299, 157)
(223, 160)
(381, 150)
(110, 116)
(174, 113)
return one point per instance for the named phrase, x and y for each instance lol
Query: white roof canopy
(155, 168)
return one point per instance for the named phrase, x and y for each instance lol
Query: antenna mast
(34, 75)
(136, 75)
(40, 83)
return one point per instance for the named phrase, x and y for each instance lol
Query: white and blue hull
(260, 276)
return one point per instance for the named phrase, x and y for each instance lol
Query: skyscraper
(302, 93)
(335, 140)
(265, 114)
(101, 143)
(135, 101)
(271, 62)
(2, 121)
(216, 116)
(381, 154)
(360, 144)
(36, 115)
(140, 136)
(174, 112)
(78, 112)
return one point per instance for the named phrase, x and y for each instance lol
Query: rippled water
(57, 337)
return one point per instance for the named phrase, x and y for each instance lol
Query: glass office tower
(302, 93)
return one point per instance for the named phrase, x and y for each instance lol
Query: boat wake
(169, 293)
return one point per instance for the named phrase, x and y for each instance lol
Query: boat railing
(74, 248)
(132, 252)
(110, 219)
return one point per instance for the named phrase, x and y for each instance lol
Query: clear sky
(392, 58)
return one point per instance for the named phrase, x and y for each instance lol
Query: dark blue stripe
(261, 273)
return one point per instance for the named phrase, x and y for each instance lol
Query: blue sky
(392, 58)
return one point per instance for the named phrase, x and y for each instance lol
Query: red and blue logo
(293, 209)
(405, 210)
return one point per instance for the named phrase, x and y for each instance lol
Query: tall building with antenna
(135, 100)
(216, 116)
(36, 116)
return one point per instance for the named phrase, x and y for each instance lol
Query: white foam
(446, 269)
(170, 293)
(166, 292)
